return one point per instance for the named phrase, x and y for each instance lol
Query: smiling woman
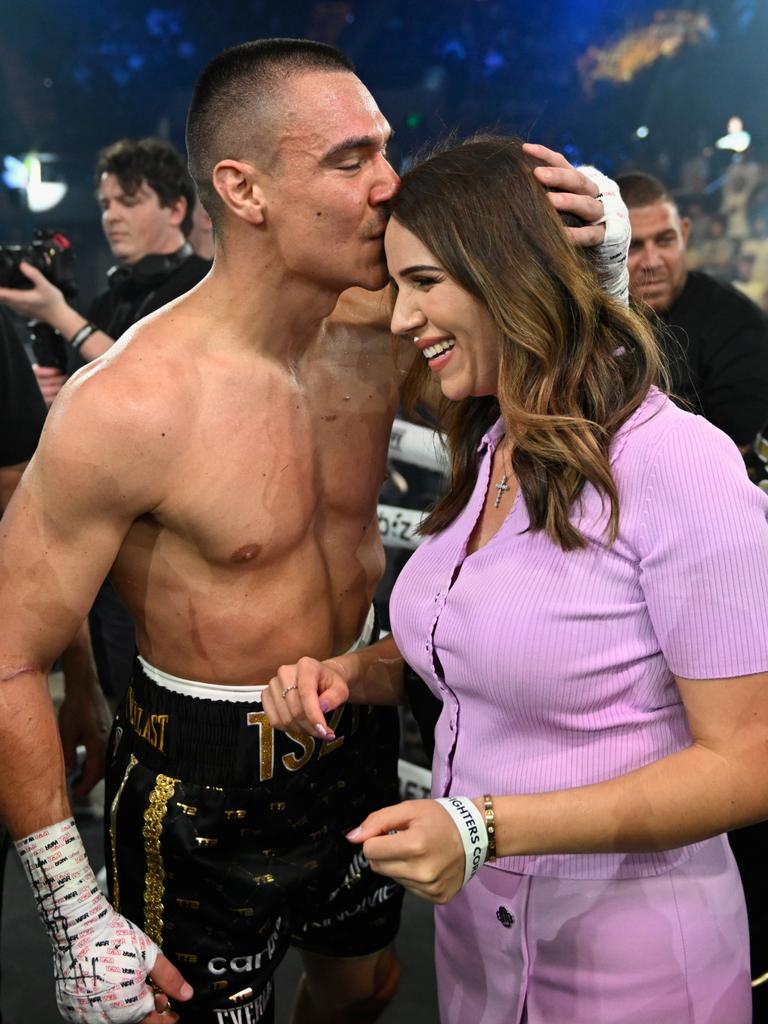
(533, 335)
(587, 607)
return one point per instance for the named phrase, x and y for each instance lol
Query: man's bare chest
(257, 475)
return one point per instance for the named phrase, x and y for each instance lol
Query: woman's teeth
(438, 349)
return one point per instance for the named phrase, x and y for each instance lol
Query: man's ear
(685, 228)
(178, 210)
(237, 185)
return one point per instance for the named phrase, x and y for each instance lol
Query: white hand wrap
(100, 960)
(611, 255)
(471, 825)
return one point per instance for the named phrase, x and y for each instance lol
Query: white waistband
(243, 694)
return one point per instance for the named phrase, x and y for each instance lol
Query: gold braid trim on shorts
(154, 885)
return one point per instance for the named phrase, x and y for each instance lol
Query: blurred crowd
(728, 215)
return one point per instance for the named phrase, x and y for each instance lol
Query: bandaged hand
(101, 961)
(595, 199)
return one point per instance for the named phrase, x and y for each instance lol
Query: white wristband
(100, 959)
(471, 825)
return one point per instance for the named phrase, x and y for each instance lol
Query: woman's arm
(301, 695)
(717, 783)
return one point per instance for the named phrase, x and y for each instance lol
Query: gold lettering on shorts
(188, 958)
(243, 911)
(186, 809)
(307, 744)
(266, 744)
(149, 727)
(206, 841)
(188, 904)
(234, 814)
(263, 879)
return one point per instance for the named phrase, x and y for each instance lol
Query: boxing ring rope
(421, 447)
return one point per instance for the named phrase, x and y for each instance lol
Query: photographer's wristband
(474, 838)
(82, 335)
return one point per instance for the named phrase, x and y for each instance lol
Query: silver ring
(288, 689)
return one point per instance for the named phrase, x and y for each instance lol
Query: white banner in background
(418, 446)
(415, 782)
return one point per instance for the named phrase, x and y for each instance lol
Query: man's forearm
(68, 322)
(33, 790)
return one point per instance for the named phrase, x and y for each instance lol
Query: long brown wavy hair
(573, 364)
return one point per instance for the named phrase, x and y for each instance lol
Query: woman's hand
(301, 695)
(417, 844)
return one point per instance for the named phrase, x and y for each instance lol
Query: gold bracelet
(490, 826)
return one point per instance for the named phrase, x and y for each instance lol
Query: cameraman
(147, 200)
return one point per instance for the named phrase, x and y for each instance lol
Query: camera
(50, 252)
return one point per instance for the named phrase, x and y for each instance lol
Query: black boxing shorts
(225, 840)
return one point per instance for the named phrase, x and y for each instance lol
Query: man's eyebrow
(356, 142)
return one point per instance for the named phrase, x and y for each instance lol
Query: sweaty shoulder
(123, 414)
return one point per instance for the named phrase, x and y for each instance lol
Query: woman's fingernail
(321, 731)
(325, 707)
(186, 990)
(355, 833)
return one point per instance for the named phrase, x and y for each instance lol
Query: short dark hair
(227, 110)
(155, 162)
(640, 189)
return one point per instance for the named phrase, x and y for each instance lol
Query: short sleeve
(22, 409)
(703, 544)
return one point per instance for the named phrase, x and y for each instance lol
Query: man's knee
(346, 991)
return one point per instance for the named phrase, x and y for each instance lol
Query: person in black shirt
(147, 199)
(22, 411)
(714, 337)
(84, 717)
(716, 341)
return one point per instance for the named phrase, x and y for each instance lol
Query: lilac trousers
(670, 949)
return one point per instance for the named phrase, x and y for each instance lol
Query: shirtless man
(224, 459)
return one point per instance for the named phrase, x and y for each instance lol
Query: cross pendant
(501, 487)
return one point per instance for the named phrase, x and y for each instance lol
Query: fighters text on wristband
(469, 821)
(82, 335)
(490, 825)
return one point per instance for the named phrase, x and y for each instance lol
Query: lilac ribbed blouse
(556, 668)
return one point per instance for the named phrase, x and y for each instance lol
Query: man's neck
(271, 311)
(168, 249)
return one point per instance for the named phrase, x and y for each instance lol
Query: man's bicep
(58, 539)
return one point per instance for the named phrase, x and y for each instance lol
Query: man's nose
(650, 256)
(386, 186)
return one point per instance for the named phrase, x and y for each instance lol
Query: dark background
(76, 76)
